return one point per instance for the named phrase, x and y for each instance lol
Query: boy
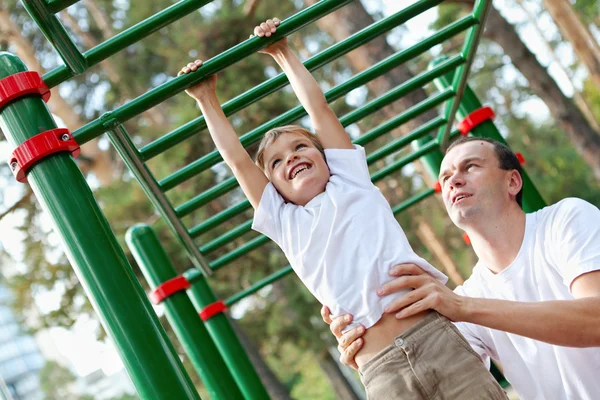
(313, 196)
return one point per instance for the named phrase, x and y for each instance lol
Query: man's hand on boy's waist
(428, 293)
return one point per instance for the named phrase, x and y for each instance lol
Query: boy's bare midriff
(383, 333)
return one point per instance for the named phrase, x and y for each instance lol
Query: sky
(79, 346)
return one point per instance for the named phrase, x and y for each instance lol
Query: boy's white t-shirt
(344, 241)
(561, 242)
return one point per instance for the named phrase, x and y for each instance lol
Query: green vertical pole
(225, 338)
(157, 268)
(532, 199)
(95, 254)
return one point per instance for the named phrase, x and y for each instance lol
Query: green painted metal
(216, 64)
(532, 199)
(298, 112)
(56, 34)
(239, 252)
(127, 150)
(219, 218)
(95, 254)
(258, 285)
(55, 6)
(480, 12)
(226, 340)
(187, 325)
(226, 238)
(337, 50)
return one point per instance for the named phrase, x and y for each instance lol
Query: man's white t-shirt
(561, 242)
(344, 241)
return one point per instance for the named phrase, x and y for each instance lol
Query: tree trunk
(275, 389)
(427, 235)
(343, 389)
(577, 97)
(100, 163)
(567, 115)
(585, 46)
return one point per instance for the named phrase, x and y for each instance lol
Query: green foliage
(55, 380)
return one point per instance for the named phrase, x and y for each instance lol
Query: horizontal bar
(240, 251)
(298, 112)
(218, 63)
(346, 120)
(219, 218)
(412, 201)
(226, 237)
(55, 6)
(56, 34)
(480, 13)
(255, 94)
(206, 197)
(417, 133)
(126, 149)
(258, 285)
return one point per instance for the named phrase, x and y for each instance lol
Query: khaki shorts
(431, 360)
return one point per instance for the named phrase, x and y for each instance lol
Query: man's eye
(469, 166)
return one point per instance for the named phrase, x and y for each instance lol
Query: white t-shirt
(344, 241)
(561, 242)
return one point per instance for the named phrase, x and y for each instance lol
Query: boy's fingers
(276, 21)
(198, 63)
(271, 25)
(266, 29)
(258, 31)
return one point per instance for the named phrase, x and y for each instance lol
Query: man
(533, 300)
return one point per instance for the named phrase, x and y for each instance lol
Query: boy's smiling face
(296, 168)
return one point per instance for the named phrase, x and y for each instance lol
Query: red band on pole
(21, 84)
(474, 119)
(520, 158)
(437, 187)
(42, 145)
(466, 238)
(212, 309)
(168, 288)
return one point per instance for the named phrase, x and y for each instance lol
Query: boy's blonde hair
(272, 135)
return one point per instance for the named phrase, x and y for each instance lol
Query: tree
(55, 381)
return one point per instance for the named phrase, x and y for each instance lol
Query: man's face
(296, 168)
(474, 187)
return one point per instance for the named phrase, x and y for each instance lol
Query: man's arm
(330, 131)
(573, 323)
(251, 178)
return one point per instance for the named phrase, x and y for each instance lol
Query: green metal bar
(532, 199)
(258, 285)
(206, 197)
(218, 63)
(227, 342)
(240, 251)
(245, 227)
(226, 237)
(219, 218)
(57, 35)
(405, 140)
(197, 343)
(480, 12)
(337, 50)
(55, 6)
(412, 201)
(95, 254)
(286, 270)
(127, 150)
(298, 112)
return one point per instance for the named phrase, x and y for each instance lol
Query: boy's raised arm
(330, 131)
(251, 178)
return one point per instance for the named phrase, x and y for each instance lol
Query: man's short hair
(507, 159)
